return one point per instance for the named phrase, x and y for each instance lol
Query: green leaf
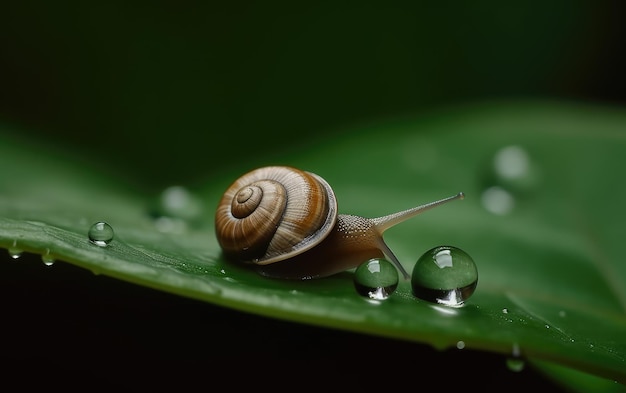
(547, 241)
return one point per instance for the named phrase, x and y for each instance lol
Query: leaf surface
(547, 241)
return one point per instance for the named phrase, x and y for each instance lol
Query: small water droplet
(511, 162)
(376, 279)
(47, 259)
(13, 251)
(100, 234)
(505, 310)
(510, 177)
(170, 224)
(515, 362)
(175, 209)
(497, 200)
(445, 275)
(460, 344)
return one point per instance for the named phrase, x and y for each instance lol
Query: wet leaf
(542, 219)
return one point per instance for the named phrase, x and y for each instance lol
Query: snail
(284, 222)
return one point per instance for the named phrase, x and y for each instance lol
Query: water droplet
(515, 362)
(13, 251)
(170, 225)
(505, 311)
(511, 162)
(497, 200)
(511, 176)
(460, 344)
(445, 275)
(100, 234)
(376, 279)
(47, 259)
(175, 209)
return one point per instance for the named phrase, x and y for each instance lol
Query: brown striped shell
(274, 213)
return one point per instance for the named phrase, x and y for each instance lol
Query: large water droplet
(445, 275)
(376, 279)
(100, 234)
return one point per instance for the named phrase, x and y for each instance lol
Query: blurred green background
(167, 92)
(171, 90)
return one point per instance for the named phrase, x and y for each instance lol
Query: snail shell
(274, 213)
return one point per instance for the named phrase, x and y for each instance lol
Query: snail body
(284, 221)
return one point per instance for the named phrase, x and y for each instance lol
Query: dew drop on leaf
(100, 234)
(515, 362)
(511, 162)
(445, 275)
(14, 251)
(509, 179)
(175, 209)
(376, 279)
(47, 259)
(497, 200)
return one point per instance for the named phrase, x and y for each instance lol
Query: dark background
(170, 90)
(164, 92)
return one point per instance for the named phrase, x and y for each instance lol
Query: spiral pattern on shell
(273, 213)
